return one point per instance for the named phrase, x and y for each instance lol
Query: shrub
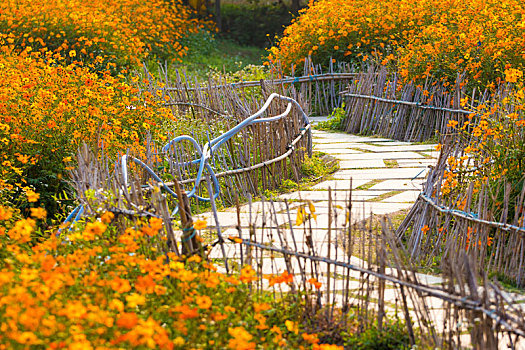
(318, 165)
(335, 120)
(394, 335)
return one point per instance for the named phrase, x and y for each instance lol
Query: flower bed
(418, 38)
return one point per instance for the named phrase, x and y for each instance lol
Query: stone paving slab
(333, 147)
(391, 147)
(398, 185)
(334, 152)
(382, 174)
(341, 195)
(339, 184)
(384, 155)
(322, 138)
(360, 164)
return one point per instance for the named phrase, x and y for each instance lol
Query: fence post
(190, 244)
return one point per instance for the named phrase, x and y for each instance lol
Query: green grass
(223, 55)
(210, 55)
(368, 185)
(361, 150)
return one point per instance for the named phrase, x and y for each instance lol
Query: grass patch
(391, 163)
(430, 141)
(361, 150)
(368, 185)
(384, 196)
(335, 120)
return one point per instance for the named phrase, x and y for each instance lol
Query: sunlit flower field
(419, 38)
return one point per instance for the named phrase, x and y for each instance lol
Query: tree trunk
(218, 14)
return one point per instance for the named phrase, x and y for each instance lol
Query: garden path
(383, 176)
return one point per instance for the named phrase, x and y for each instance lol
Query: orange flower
(127, 320)
(145, 284)
(5, 213)
(235, 239)
(285, 277)
(203, 302)
(247, 274)
(38, 213)
(120, 285)
(107, 217)
(315, 283)
(186, 312)
(32, 196)
(93, 229)
(241, 339)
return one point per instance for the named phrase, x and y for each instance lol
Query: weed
(335, 120)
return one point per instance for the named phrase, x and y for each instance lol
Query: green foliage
(211, 55)
(254, 24)
(393, 336)
(318, 165)
(289, 185)
(335, 120)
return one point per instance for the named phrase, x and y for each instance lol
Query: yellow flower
(134, 299)
(291, 326)
(179, 341)
(72, 53)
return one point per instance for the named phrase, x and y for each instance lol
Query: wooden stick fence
(379, 103)
(481, 218)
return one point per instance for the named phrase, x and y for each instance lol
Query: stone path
(385, 176)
